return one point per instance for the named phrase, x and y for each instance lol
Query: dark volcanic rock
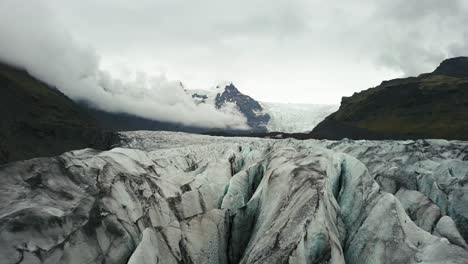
(37, 120)
(202, 98)
(433, 105)
(248, 106)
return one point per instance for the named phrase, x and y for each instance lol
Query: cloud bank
(303, 51)
(294, 50)
(31, 38)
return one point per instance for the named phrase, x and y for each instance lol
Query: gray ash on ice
(165, 197)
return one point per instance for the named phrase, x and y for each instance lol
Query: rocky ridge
(227, 93)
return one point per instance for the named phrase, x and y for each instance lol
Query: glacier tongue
(166, 197)
(296, 118)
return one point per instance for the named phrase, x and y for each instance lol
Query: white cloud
(308, 51)
(31, 38)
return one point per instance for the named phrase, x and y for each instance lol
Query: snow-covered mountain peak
(209, 94)
(227, 94)
(262, 116)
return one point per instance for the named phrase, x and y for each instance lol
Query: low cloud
(32, 39)
(275, 50)
(297, 51)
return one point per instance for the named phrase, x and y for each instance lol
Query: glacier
(296, 118)
(167, 197)
(265, 116)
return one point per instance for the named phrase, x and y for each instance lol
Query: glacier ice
(165, 197)
(296, 118)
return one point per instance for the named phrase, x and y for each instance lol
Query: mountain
(432, 105)
(263, 116)
(249, 107)
(225, 94)
(454, 67)
(38, 120)
(166, 197)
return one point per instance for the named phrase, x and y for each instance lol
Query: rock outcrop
(179, 198)
(227, 95)
(249, 107)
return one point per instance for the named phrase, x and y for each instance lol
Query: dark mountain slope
(128, 122)
(37, 120)
(433, 105)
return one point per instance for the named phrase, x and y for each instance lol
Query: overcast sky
(284, 50)
(304, 51)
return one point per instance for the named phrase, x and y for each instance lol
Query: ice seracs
(164, 197)
(296, 118)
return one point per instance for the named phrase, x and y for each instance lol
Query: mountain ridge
(431, 105)
(39, 120)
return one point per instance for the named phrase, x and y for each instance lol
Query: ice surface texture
(179, 198)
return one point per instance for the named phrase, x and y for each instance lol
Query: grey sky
(304, 51)
(298, 51)
(34, 39)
